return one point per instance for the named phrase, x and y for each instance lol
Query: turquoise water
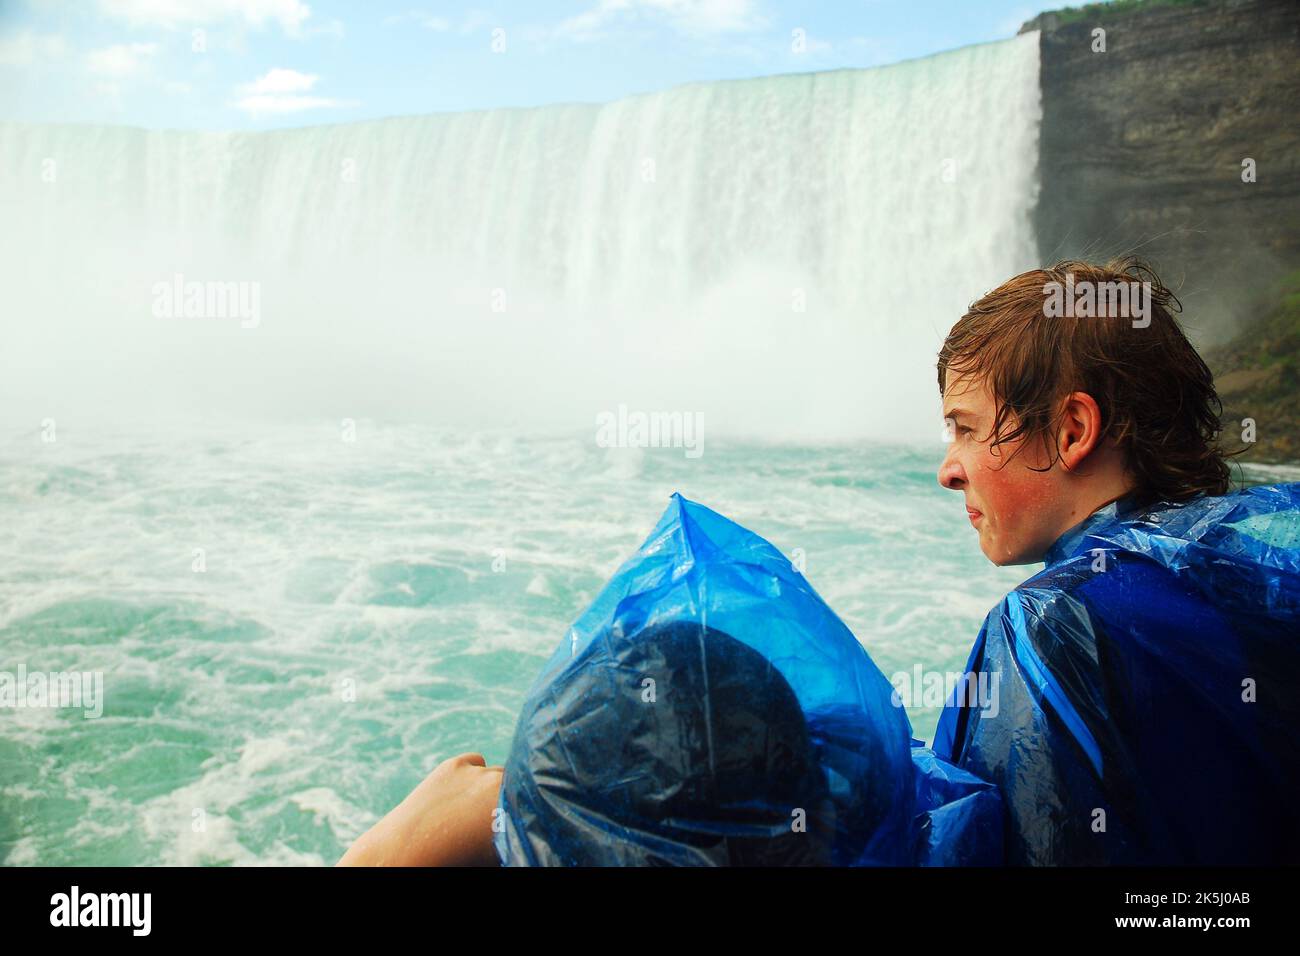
(372, 562)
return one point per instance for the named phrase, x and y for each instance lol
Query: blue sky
(252, 64)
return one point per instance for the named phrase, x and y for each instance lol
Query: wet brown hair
(1155, 393)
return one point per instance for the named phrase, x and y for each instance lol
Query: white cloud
(280, 81)
(25, 48)
(692, 17)
(121, 59)
(289, 14)
(280, 91)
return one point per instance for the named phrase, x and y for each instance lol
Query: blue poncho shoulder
(1148, 709)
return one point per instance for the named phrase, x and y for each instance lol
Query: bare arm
(445, 821)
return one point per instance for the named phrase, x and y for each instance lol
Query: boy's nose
(951, 475)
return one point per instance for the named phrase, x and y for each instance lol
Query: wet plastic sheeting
(1147, 709)
(710, 709)
(1149, 699)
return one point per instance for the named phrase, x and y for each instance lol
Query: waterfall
(781, 256)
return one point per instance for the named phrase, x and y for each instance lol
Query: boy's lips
(974, 514)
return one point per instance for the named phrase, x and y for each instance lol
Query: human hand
(445, 821)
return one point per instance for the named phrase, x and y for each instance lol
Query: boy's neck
(1124, 499)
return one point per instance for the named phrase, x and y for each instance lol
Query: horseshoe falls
(781, 256)
(298, 440)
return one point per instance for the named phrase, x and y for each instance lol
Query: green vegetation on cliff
(1258, 377)
(1101, 11)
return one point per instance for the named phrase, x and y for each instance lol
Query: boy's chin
(1005, 557)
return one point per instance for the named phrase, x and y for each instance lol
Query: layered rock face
(1143, 145)
(1179, 140)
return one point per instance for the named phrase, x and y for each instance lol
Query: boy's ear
(1080, 429)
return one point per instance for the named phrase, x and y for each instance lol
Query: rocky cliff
(1143, 144)
(1258, 378)
(1170, 129)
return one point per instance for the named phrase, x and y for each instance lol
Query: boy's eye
(952, 429)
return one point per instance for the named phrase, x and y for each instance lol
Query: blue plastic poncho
(1146, 709)
(708, 708)
(1149, 692)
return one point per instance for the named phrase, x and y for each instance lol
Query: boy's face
(1014, 509)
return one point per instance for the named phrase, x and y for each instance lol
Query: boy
(1148, 673)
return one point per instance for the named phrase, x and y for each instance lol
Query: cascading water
(781, 255)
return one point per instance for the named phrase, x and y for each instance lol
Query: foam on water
(372, 562)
